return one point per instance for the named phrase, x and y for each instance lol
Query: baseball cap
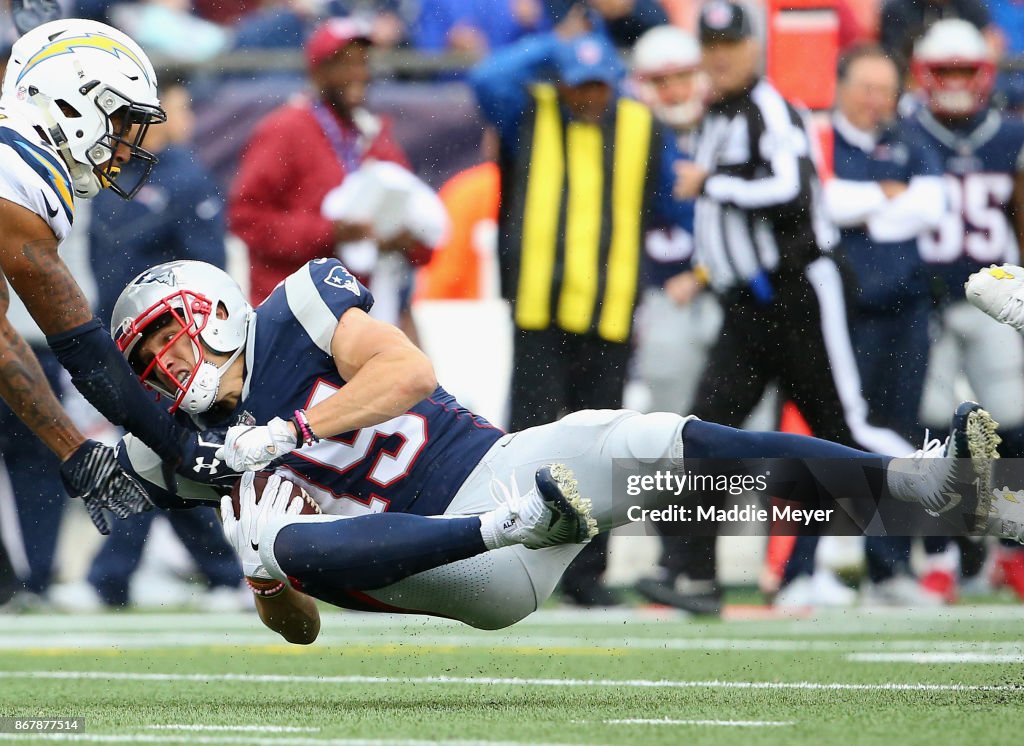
(333, 35)
(723, 20)
(588, 58)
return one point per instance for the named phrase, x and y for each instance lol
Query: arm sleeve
(265, 209)
(100, 372)
(781, 144)
(851, 203)
(500, 82)
(319, 293)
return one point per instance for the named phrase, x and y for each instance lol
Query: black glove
(93, 474)
(31, 13)
(199, 462)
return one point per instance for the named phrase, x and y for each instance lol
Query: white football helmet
(190, 294)
(664, 50)
(92, 89)
(954, 44)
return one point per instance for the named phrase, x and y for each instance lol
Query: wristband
(305, 431)
(266, 592)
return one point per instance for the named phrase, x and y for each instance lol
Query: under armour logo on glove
(93, 475)
(200, 462)
(201, 465)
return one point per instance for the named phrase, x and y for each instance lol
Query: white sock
(491, 531)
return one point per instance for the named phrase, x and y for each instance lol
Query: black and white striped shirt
(760, 210)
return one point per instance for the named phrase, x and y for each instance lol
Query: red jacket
(285, 171)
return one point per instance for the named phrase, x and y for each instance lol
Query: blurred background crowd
(407, 137)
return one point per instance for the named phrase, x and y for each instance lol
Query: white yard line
(511, 681)
(252, 637)
(936, 657)
(723, 723)
(251, 740)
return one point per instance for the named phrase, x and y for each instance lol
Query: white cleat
(551, 513)
(999, 292)
(955, 474)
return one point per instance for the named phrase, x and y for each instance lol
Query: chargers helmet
(190, 293)
(93, 89)
(954, 44)
(661, 51)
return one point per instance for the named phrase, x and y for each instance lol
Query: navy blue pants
(35, 481)
(198, 529)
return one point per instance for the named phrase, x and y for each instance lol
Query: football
(309, 505)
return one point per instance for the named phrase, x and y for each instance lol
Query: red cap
(333, 35)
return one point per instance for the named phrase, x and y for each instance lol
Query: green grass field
(887, 677)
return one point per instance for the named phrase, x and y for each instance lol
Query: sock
(372, 551)
(801, 467)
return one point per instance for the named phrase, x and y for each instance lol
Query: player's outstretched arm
(385, 375)
(29, 259)
(291, 614)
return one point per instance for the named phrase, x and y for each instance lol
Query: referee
(763, 243)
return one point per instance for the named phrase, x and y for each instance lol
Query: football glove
(93, 474)
(243, 532)
(251, 448)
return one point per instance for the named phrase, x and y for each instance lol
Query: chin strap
(83, 180)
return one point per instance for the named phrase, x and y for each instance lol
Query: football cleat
(999, 292)
(955, 474)
(551, 513)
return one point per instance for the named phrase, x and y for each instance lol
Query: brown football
(309, 505)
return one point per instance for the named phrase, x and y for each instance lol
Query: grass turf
(557, 678)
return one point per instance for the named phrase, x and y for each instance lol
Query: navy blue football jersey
(981, 162)
(414, 463)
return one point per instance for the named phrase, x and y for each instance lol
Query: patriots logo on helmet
(341, 279)
(162, 277)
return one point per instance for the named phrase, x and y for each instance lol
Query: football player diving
(427, 508)
(78, 98)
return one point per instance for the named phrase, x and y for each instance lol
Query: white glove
(243, 533)
(251, 448)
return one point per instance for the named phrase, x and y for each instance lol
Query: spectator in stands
(571, 227)
(886, 192)
(301, 151)
(622, 21)
(178, 214)
(903, 22)
(476, 26)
